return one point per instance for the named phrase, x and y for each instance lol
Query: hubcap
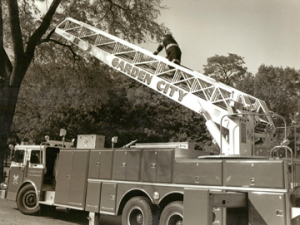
(175, 219)
(29, 200)
(139, 219)
(136, 217)
(179, 222)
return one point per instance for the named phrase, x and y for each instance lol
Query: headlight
(3, 186)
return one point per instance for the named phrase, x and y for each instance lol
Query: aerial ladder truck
(170, 183)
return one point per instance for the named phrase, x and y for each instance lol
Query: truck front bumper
(2, 194)
(3, 188)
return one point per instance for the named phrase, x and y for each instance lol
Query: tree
(226, 69)
(27, 27)
(279, 88)
(246, 84)
(126, 109)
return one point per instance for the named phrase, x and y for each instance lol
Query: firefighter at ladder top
(172, 48)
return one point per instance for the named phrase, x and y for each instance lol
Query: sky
(262, 31)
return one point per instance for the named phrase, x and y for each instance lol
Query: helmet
(168, 32)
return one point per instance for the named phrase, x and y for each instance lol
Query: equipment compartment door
(149, 166)
(164, 166)
(106, 164)
(133, 163)
(78, 181)
(94, 165)
(63, 177)
(267, 208)
(119, 170)
(108, 198)
(93, 197)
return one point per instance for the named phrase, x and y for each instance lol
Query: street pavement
(10, 215)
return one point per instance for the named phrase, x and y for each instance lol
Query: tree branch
(8, 66)
(15, 27)
(75, 56)
(5, 63)
(1, 26)
(40, 31)
(47, 39)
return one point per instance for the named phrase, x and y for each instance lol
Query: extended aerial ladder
(245, 117)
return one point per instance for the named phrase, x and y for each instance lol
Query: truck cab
(32, 172)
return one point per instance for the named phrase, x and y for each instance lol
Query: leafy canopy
(226, 69)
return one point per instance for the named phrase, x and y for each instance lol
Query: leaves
(226, 69)
(25, 31)
(112, 105)
(280, 88)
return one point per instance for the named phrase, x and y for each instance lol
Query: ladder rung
(107, 43)
(141, 63)
(119, 53)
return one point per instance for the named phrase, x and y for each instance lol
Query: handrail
(249, 114)
(292, 161)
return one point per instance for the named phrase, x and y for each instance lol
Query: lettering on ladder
(146, 78)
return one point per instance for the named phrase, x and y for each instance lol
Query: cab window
(18, 156)
(35, 157)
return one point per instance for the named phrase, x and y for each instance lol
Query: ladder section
(189, 88)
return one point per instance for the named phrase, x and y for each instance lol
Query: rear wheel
(27, 200)
(172, 214)
(140, 211)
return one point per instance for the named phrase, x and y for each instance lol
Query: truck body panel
(71, 181)
(211, 188)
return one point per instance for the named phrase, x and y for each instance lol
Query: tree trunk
(11, 76)
(8, 101)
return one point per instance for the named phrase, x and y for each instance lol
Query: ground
(10, 215)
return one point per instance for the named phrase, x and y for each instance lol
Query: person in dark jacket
(172, 48)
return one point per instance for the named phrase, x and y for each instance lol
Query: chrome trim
(194, 186)
(94, 206)
(75, 203)
(68, 206)
(45, 203)
(107, 213)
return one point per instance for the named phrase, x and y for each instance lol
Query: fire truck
(249, 182)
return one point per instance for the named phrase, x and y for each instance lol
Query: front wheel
(172, 214)
(140, 211)
(27, 200)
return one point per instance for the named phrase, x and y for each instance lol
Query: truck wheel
(140, 211)
(172, 214)
(27, 201)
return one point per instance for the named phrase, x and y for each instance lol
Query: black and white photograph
(149, 112)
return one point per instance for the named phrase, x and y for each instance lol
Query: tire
(27, 201)
(172, 214)
(140, 211)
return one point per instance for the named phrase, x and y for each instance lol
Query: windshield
(18, 156)
(36, 157)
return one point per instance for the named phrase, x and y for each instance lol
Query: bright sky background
(262, 31)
